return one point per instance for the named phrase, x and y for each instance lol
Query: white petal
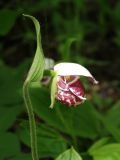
(49, 63)
(83, 98)
(67, 69)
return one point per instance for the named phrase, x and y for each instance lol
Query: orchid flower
(69, 88)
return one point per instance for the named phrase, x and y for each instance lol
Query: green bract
(37, 68)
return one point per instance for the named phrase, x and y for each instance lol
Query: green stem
(33, 134)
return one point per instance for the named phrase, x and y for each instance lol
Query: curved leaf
(37, 68)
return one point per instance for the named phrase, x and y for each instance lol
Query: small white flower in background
(49, 63)
(70, 90)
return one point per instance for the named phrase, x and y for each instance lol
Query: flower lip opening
(70, 90)
(66, 81)
(70, 79)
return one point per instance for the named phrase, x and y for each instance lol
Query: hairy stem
(33, 134)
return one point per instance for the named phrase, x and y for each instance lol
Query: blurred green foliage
(81, 31)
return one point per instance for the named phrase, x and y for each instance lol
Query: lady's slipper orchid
(70, 90)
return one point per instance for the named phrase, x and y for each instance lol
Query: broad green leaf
(53, 90)
(7, 20)
(81, 121)
(106, 152)
(37, 68)
(70, 154)
(8, 116)
(88, 119)
(11, 80)
(114, 113)
(9, 146)
(99, 144)
(10, 84)
(111, 121)
(22, 157)
(41, 100)
(50, 142)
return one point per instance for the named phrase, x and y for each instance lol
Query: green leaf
(50, 142)
(70, 154)
(113, 114)
(22, 156)
(53, 90)
(111, 121)
(106, 151)
(37, 68)
(40, 98)
(10, 83)
(8, 116)
(9, 146)
(11, 80)
(99, 144)
(7, 20)
(67, 119)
